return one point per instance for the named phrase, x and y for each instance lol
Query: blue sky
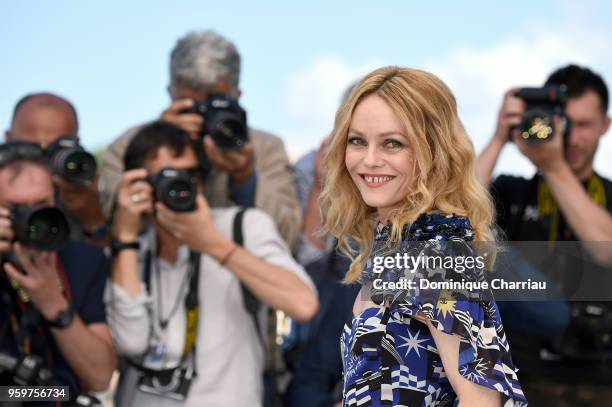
(111, 58)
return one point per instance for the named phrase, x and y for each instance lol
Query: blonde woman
(401, 180)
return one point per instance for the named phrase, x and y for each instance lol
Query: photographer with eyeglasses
(51, 310)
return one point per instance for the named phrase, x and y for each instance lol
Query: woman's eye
(393, 144)
(356, 141)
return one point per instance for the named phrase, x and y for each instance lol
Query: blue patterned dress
(391, 359)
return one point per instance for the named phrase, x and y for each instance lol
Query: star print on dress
(390, 357)
(412, 343)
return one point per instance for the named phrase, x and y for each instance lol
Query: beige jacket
(275, 191)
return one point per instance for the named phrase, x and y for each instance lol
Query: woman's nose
(373, 157)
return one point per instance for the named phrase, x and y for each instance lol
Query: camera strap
(251, 303)
(192, 304)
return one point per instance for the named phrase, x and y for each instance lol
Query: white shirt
(229, 353)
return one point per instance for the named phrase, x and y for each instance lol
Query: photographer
(566, 200)
(51, 121)
(179, 304)
(250, 167)
(51, 288)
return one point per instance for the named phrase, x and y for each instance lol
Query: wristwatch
(117, 246)
(63, 319)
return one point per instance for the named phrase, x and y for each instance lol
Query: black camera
(70, 161)
(30, 370)
(173, 384)
(224, 119)
(26, 371)
(43, 228)
(176, 189)
(542, 105)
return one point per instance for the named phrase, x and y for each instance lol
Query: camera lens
(42, 229)
(179, 195)
(537, 126)
(228, 131)
(176, 189)
(75, 165)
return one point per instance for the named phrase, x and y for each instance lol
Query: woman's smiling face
(378, 156)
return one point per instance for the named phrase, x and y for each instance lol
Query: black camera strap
(251, 303)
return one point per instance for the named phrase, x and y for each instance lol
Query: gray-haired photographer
(250, 167)
(564, 351)
(190, 283)
(52, 318)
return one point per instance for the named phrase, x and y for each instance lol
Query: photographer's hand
(239, 164)
(190, 122)
(591, 223)
(88, 349)
(272, 284)
(39, 279)
(510, 116)
(196, 228)
(6, 231)
(133, 200)
(547, 156)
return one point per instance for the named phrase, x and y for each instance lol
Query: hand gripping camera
(542, 105)
(40, 228)
(224, 119)
(70, 161)
(176, 189)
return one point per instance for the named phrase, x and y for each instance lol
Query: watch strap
(117, 246)
(63, 319)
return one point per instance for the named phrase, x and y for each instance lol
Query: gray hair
(201, 59)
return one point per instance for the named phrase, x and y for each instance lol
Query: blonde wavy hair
(445, 178)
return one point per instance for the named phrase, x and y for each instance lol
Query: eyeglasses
(20, 150)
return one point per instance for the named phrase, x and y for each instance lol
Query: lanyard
(192, 300)
(548, 207)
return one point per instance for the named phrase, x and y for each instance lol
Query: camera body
(176, 189)
(30, 370)
(543, 104)
(43, 228)
(70, 161)
(224, 119)
(172, 384)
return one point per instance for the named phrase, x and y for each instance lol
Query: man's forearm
(487, 159)
(589, 221)
(273, 285)
(89, 352)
